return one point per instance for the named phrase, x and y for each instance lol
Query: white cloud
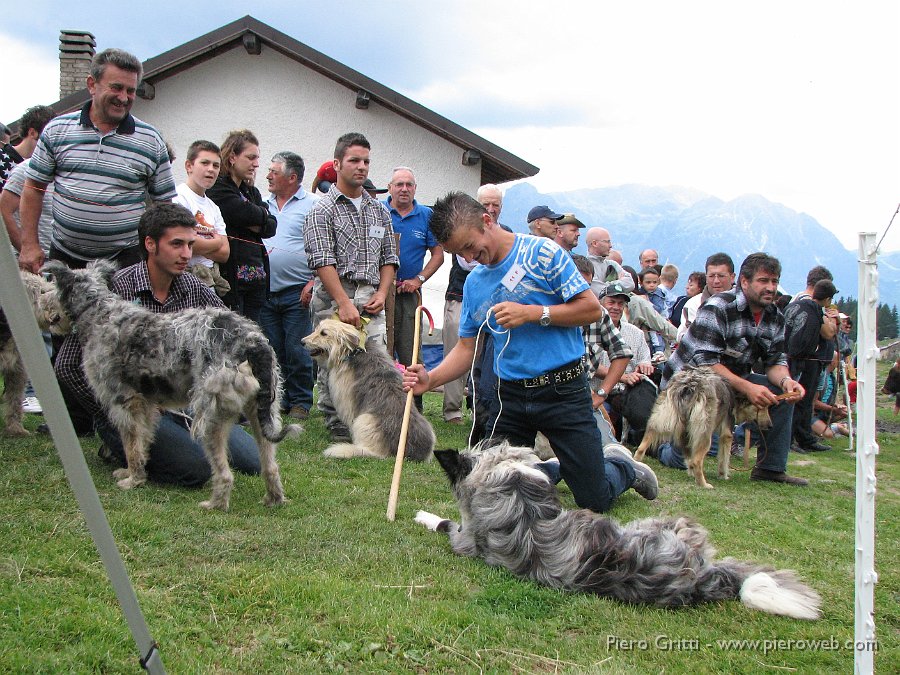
(31, 77)
(795, 101)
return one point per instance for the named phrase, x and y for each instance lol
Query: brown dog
(696, 404)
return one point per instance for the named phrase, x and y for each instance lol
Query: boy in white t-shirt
(211, 246)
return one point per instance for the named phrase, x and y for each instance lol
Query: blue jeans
(247, 301)
(774, 444)
(176, 458)
(670, 455)
(285, 322)
(562, 412)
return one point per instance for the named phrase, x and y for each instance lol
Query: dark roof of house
(497, 165)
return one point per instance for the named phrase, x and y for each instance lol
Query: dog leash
(788, 396)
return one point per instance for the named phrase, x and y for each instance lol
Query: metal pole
(866, 450)
(31, 346)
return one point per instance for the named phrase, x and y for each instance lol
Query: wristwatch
(420, 278)
(601, 392)
(545, 316)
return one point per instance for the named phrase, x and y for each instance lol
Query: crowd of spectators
(79, 185)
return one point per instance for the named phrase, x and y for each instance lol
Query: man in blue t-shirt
(410, 221)
(533, 300)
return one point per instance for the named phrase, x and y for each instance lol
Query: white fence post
(866, 450)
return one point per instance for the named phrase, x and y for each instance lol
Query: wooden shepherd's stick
(404, 429)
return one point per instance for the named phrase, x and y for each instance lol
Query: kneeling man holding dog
(731, 332)
(534, 301)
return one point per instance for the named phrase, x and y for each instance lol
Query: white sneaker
(31, 405)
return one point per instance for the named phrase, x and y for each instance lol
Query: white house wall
(290, 107)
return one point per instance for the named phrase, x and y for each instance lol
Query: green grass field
(326, 583)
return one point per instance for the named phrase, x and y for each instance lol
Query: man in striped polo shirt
(104, 163)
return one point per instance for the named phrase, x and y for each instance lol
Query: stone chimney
(76, 49)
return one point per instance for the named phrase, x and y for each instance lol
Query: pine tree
(885, 322)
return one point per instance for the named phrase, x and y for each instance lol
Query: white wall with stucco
(290, 107)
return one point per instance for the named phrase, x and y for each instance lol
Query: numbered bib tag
(376, 231)
(513, 277)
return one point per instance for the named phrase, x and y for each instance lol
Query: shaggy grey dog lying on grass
(213, 360)
(42, 298)
(512, 518)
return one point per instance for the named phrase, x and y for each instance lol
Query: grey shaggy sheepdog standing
(212, 359)
(512, 518)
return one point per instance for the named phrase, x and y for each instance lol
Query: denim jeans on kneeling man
(562, 412)
(174, 457)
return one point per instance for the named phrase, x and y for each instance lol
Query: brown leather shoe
(299, 413)
(776, 477)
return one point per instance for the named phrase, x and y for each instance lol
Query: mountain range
(685, 226)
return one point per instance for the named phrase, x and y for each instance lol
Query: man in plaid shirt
(161, 285)
(732, 332)
(350, 244)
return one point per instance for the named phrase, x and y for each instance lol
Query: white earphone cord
(486, 324)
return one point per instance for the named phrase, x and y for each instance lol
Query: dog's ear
(103, 270)
(61, 273)
(457, 466)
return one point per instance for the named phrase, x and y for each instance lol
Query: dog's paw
(121, 473)
(16, 431)
(429, 520)
(129, 483)
(211, 504)
(274, 500)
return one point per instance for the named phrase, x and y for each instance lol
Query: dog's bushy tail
(763, 588)
(265, 369)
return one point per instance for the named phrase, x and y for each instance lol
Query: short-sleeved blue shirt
(415, 238)
(551, 278)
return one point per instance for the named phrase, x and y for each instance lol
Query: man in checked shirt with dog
(733, 331)
(530, 293)
(350, 244)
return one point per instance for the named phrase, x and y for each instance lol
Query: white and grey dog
(512, 518)
(367, 391)
(211, 359)
(42, 298)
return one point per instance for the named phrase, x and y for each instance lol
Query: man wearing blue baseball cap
(542, 222)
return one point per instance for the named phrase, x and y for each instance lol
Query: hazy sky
(797, 101)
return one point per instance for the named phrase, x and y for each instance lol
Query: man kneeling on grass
(534, 301)
(731, 332)
(160, 284)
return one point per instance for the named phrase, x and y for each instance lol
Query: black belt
(564, 374)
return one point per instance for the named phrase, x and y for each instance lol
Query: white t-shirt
(688, 314)
(206, 213)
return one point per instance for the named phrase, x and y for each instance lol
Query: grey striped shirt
(101, 181)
